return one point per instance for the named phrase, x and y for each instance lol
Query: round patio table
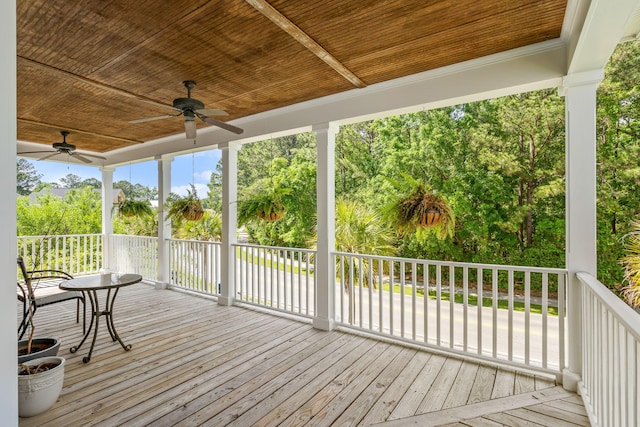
(91, 285)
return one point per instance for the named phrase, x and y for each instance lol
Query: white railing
(135, 254)
(410, 299)
(278, 278)
(610, 385)
(195, 265)
(76, 254)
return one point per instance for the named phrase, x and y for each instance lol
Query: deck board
(194, 362)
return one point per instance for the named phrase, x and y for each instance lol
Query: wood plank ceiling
(90, 67)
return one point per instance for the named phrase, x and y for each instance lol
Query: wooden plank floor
(195, 363)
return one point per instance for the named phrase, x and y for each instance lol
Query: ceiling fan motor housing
(187, 104)
(63, 146)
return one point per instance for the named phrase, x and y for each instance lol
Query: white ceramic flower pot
(38, 392)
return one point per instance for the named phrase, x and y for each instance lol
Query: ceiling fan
(65, 148)
(191, 108)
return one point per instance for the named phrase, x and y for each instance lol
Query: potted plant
(40, 379)
(186, 207)
(262, 200)
(132, 207)
(416, 208)
(39, 384)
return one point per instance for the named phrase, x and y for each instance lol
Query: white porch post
(580, 108)
(324, 265)
(164, 226)
(8, 241)
(229, 222)
(107, 223)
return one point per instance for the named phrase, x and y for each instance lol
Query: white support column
(324, 268)
(107, 223)
(164, 226)
(229, 222)
(8, 241)
(580, 123)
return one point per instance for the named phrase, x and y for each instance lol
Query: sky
(187, 169)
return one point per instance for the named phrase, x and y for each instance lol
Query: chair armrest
(49, 274)
(23, 292)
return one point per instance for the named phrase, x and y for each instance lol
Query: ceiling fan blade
(150, 119)
(35, 152)
(55, 153)
(222, 125)
(211, 112)
(80, 157)
(190, 128)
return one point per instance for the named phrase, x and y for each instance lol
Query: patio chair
(44, 284)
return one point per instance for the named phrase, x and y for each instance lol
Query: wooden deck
(195, 363)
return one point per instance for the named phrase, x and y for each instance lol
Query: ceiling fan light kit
(191, 108)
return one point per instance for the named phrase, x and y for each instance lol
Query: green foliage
(82, 213)
(289, 164)
(262, 201)
(133, 208)
(208, 228)
(415, 209)
(182, 208)
(214, 195)
(27, 177)
(631, 263)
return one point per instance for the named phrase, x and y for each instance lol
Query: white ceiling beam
(605, 25)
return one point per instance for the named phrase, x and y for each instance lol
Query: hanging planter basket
(430, 218)
(186, 207)
(420, 209)
(131, 208)
(263, 201)
(193, 211)
(272, 215)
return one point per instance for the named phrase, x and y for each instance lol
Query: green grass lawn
(473, 300)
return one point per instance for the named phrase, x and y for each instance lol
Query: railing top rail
(211, 242)
(625, 314)
(131, 236)
(247, 245)
(458, 264)
(59, 235)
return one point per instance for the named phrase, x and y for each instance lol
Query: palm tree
(360, 230)
(631, 263)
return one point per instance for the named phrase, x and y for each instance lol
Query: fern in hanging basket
(262, 200)
(186, 207)
(419, 208)
(130, 208)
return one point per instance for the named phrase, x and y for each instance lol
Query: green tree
(28, 178)
(214, 195)
(71, 181)
(78, 213)
(618, 150)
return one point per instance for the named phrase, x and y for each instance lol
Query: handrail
(457, 307)
(625, 314)
(610, 377)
